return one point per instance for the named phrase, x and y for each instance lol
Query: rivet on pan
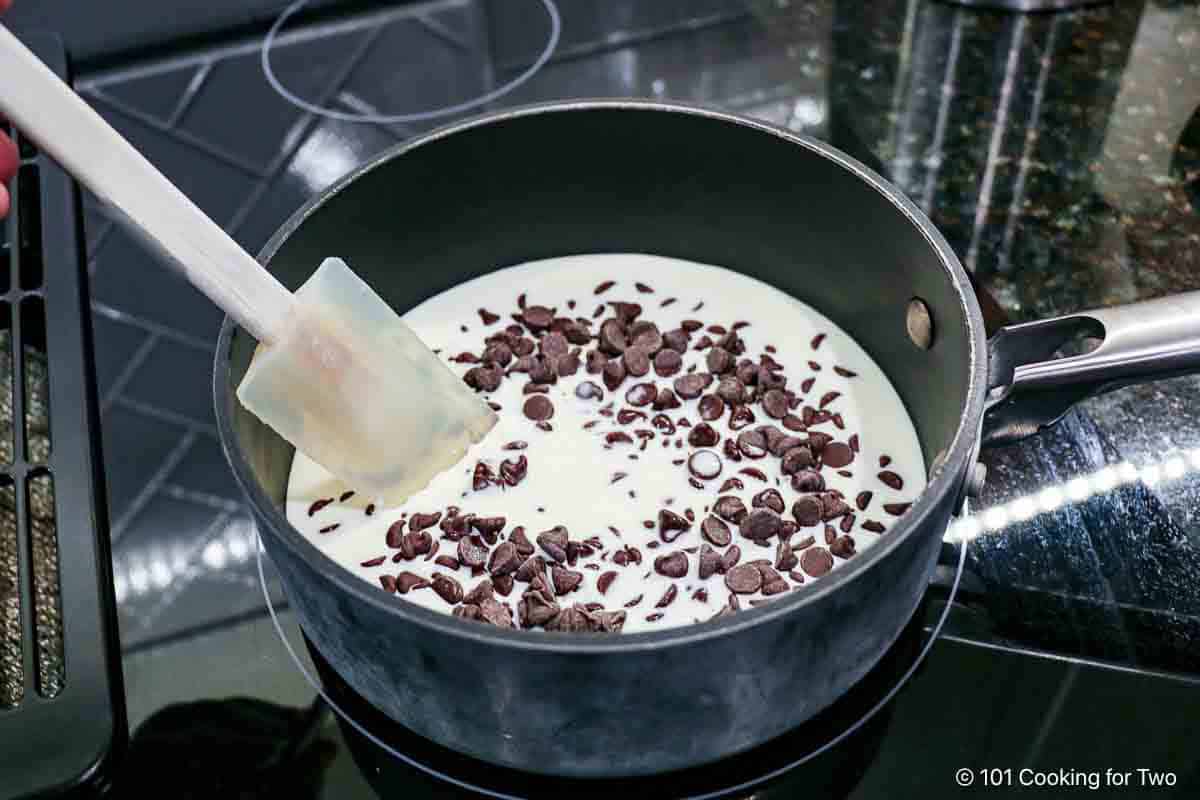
(919, 323)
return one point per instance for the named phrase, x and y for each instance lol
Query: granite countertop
(1060, 155)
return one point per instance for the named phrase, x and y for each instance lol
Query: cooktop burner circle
(421, 116)
(442, 765)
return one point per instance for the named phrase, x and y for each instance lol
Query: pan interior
(616, 179)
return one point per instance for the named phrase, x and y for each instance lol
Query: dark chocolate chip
(808, 481)
(665, 400)
(752, 444)
(667, 362)
(536, 608)
(493, 612)
(671, 526)
(769, 498)
(605, 580)
(472, 551)
(537, 318)
(637, 362)
(793, 423)
(740, 417)
(689, 387)
(604, 287)
(754, 472)
(613, 337)
(785, 558)
(565, 580)
(613, 374)
(447, 588)
(395, 534)
(873, 526)
(645, 336)
(554, 543)
(730, 557)
(703, 435)
(373, 562)
(760, 525)
(719, 361)
(484, 379)
(743, 579)
(863, 500)
(807, 511)
(709, 562)
(498, 353)
(489, 527)
(668, 597)
(775, 403)
(837, 455)
(408, 581)
(704, 464)
(505, 559)
(816, 561)
(711, 407)
(626, 312)
(843, 547)
(594, 362)
(896, 509)
(641, 394)
(796, 459)
(730, 508)
(513, 472)
(731, 484)
(420, 522)
(673, 565)
(731, 390)
(891, 479)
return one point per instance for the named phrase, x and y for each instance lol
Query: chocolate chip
(554, 345)
(753, 472)
(740, 417)
(896, 509)
(488, 527)
(785, 558)
(627, 416)
(666, 399)
(674, 565)
(565, 580)
(390, 584)
(447, 588)
(498, 353)
(543, 369)
(731, 484)
(637, 363)
(505, 559)
(711, 407)
(504, 585)
(662, 423)
(605, 580)
(645, 335)
(863, 500)
(704, 464)
(817, 441)
(395, 534)
(807, 511)
(568, 365)
(531, 568)
(373, 562)
(709, 562)
(843, 547)
(719, 361)
(481, 592)
(775, 403)
(604, 287)
(415, 544)
(777, 586)
(689, 387)
(760, 525)
(816, 561)
(715, 531)
(808, 481)
(667, 362)
(484, 379)
(873, 526)
(778, 442)
(618, 437)
(613, 337)
(796, 459)
(671, 523)
(469, 358)
(668, 597)
(703, 435)
(730, 558)
(837, 455)
(833, 506)
(513, 472)
(626, 312)
(408, 581)
(641, 394)
(521, 541)
(594, 362)
(730, 508)
(752, 444)
(613, 374)
(732, 391)
(537, 318)
(493, 612)
(891, 479)
(472, 551)
(554, 543)
(743, 579)
(536, 608)
(769, 498)
(793, 423)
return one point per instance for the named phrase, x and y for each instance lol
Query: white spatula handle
(47, 111)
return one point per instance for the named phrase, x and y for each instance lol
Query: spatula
(337, 372)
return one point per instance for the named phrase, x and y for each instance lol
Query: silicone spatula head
(350, 385)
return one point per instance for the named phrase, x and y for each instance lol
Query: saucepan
(671, 180)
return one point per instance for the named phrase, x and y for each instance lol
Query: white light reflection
(1075, 490)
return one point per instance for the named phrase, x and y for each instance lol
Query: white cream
(569, 480)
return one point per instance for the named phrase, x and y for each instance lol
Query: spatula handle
(47, 111)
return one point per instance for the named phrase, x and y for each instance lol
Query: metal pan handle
(1030, 389)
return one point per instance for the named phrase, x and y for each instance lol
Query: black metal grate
(61, 700)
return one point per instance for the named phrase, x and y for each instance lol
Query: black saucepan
(627, 176)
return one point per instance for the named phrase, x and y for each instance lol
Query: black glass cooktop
(1060, 155)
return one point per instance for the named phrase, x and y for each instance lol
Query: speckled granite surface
(1060, 155)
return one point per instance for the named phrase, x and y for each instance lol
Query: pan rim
(946, 479)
